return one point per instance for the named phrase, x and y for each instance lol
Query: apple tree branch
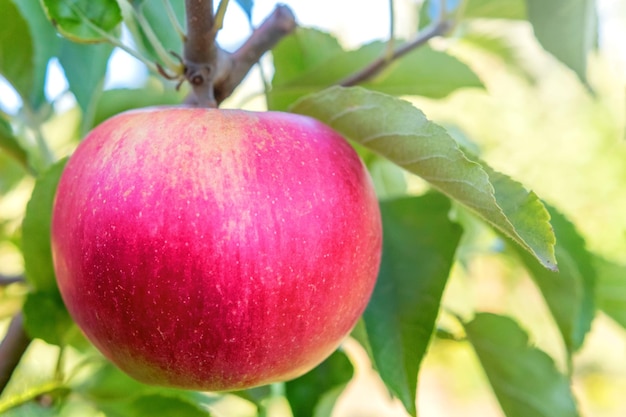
(214, 73)
(12, 348)
(438, 28)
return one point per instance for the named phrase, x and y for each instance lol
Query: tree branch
(200, 51)
(10, 279)
(12, 348)
(436, 29)
(280, 23)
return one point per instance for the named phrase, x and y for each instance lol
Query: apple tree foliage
(428, 232)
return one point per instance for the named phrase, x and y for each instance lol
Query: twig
(154, 42)
(392, 31)
(200, 51)
(113, 40)
(10, 279)
(436, 29)
(12, 348)
(280, 23)
(48, 390)
(173, 19)
(218, 24)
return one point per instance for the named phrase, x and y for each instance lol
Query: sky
(331, 15)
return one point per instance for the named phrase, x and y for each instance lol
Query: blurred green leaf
(423, 72)
(117, 394)
(419, 242)
(46, 318)
(36, 231)
(11, 173)
(161, 405)
(112, 102)
(301, 70)
(304, 49)
(524, 378)
(398, 131)
(567, 29)
(10, 144)
(328, 379)
(495, 9)
(389, 179)
(46, 44)
(45, 314)
(359, 333)
(246, 6)
(611, 289)
(84, 20)
(569, 292)
(108, 383)
(500, 47)
(155, 404)
(158, 20)
(31, 409)
(16, 49)
(165, 31)
(85, 67)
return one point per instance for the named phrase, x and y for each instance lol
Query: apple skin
(215, 249)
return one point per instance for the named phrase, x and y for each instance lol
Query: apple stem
(12, 348)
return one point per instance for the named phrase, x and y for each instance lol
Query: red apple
(215, 249)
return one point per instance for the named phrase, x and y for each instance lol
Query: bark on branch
(200, 50)
(280, 23)
(12, 348)
(214, 73)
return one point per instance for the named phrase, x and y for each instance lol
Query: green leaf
(567, 29)
(16, 49)
(86, 81)
(10, 144)
(84, 20)
(569, 293)
(328, 379)
(36, 231)
(419, 242)
(398, 131)
(301, 69)
(526, 212)
(524, 378)
(611, 289)
(495, 9)
(46, 318)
